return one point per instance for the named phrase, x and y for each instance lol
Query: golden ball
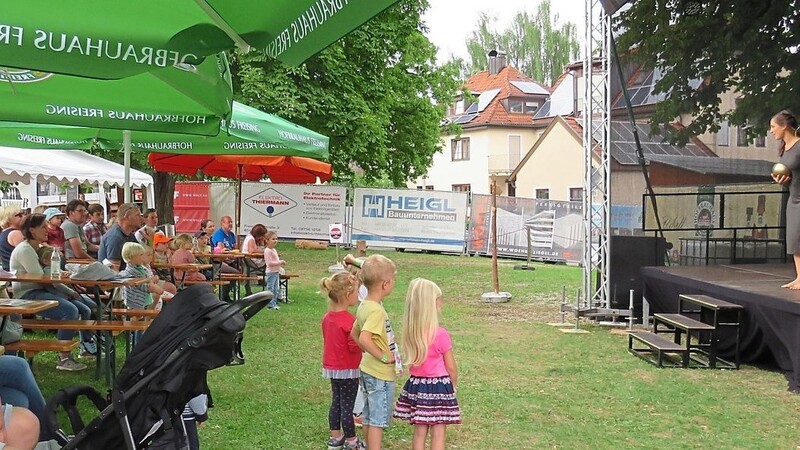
(781, 169)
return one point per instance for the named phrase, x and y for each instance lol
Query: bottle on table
(55, 265)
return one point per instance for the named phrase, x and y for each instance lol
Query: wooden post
(495, 275)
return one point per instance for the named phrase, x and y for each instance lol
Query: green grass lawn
(523, 384)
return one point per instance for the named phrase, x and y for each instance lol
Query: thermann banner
(421, 219)
(555, 228)
(293, 211)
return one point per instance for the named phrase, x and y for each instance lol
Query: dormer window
(521, 105)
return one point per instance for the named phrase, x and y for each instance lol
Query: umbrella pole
(238, 196)
(126, 148)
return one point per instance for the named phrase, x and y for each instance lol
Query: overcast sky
(451, 21)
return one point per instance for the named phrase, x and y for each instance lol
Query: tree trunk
(164, 185)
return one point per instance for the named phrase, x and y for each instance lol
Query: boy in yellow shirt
(380, 362)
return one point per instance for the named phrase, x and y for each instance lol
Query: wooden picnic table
(184, 267)
(19, 306)
(80, 261)
(96, 286)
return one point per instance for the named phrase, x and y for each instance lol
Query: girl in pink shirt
(183, 255)
(428, 400)
(273, 264)
(341, 357)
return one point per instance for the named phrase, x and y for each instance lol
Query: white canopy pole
(126, 147)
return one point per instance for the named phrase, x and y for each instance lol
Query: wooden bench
(284, 283)
(30, 347)
(114, 327)
(659, 350)
(211, 282)
(125, 312)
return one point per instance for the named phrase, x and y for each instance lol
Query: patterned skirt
(428, 401)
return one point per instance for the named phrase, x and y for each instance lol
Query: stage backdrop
(293, 211)
(556, 228)
(418, 219)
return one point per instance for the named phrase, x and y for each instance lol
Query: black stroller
(194, 333)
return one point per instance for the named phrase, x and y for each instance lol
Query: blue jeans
(86, 307)
(274, 286)
(378, 405)
(66, 309)
(19, 388)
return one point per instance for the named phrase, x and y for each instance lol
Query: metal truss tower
(596, 116)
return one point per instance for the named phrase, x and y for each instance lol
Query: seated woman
(24, 260)
(254, 242)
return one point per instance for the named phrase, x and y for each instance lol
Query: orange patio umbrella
(279, 169)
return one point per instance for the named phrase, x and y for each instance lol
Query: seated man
(19, 428)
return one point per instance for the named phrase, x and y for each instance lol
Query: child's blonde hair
(181, 240)
(338, 286)
(376, 269)
(130, 250)
(270, 234)
(45, 252)
(421, 319)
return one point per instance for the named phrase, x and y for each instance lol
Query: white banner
(291, 210)
(420, 219)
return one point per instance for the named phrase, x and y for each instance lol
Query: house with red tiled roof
(497, 130)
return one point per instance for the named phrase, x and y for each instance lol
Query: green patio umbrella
(249, 132)
(114, 38)
(192, 99)
(184, 99)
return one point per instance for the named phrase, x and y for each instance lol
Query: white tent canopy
(65, 166)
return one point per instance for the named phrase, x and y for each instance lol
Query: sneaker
(88, 349)
(358, 420)
(356, 444)
(70, 365)
(336, 444)
(276, 307)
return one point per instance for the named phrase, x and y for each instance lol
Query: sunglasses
(20, 214)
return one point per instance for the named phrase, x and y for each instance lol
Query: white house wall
(488, 153)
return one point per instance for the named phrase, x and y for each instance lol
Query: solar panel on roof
(544, 110)
(530, 87)
(473, 108)
(486, 97)
(466, 118)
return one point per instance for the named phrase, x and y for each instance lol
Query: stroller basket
(194, 333)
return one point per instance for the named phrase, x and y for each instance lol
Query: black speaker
(627, 256)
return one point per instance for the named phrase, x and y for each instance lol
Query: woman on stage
(784, 127)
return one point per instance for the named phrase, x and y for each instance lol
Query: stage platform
(771, 332)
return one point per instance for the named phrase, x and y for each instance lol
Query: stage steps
(695, 339)
(659, 350)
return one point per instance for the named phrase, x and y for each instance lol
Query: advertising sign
(336, 233)
(418, 219)
(555, 228)
(293, 211)
(191, 205)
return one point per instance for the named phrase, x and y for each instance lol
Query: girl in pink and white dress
(428, 400)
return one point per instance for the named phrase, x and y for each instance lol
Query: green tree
(749, 47)
(535, 44)
(377, 93)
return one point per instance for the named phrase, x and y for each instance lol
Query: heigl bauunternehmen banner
(413, 219)
(555, 228)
